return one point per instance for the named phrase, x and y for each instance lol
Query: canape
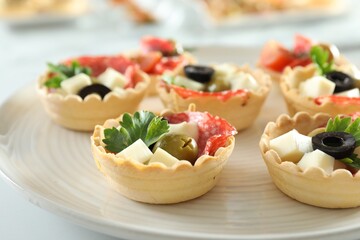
(163, 160)
(314, 159)
(83, 92)
(275, 58)
(157, 56)
(226, 90)
(323, 86)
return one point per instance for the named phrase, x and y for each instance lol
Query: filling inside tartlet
(223, 81)
(147, 138)
(335, 146)
(92, 75)
(158, 55)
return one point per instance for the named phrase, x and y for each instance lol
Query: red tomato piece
(150, 44)
(340, 100)
(302, 45)
(275, 57)
(167, 63)
(213, 131)
(147, 62)
(303, 61)
(99, 64)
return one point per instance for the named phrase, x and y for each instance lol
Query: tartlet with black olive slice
(85, 91)
(323, 86)
(315, 159)
(157, 56)
(163, 159)
(226, 90)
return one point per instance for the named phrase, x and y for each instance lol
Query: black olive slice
(343, 81)
(199, 73)
(94, 88)
(337, 144)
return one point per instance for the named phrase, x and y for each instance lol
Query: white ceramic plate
(54, 169)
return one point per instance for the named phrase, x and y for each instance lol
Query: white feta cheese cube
(291, 146)
(186, 128)
(352, 93)
(112, 79)
(225, 70)
(188, 83)
(74, 84)
(243, 80)
(318, 159)
(316, 87)
(138, 151)
(163, 157)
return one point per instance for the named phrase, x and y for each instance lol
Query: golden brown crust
(295, 102)
(314, 187)
(238, 111)
(72, 112)
(156, 183)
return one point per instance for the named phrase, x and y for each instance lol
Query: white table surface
(24, 52)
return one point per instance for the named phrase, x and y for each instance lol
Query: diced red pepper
(302, 45)
(340, 100)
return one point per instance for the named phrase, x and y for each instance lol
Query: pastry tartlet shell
(156, 183)
(73, 112)
(239, 111)
(297, 103)
(313, 186)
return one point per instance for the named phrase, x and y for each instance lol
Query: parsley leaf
(54, 82)
(338, 124)
(321, 58)
(63, 72)
(142, 125)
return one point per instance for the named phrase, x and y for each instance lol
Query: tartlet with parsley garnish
(163, 159)
(235, 93)
(157, 56)
(327, 85)
(315, 159)
(83, 92)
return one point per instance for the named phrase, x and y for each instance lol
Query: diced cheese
(243, 80)
(112, 79)
(318, 159)
(74, 84)
(163, 157)
(352, 93)
(188, 83)
(185, 128)
(225, 70)
(138, 151)
(291, 146)
(316, 87)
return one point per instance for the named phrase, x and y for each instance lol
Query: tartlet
(314, 186)
(331, 104)
(156, 183)
(275, 58)
(239, 107)
(82, 114)
(157, 56)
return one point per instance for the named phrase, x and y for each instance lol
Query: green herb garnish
(338, 124)
(321, 58)
(63, 72)
(142, 125)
